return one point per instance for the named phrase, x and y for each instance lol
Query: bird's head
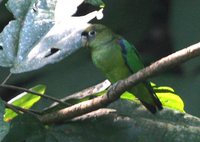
(96, 35)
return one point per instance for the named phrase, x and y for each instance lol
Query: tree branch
(82, 94)
(118, 88)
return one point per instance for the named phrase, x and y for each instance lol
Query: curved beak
(84, 39)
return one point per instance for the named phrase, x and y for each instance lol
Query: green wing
(143, 91)
(130, 55)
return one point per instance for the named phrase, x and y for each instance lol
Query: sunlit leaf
(4, 127)
(128, 96)
(24, 100)
(169, 98)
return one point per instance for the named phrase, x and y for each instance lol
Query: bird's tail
(152, 107)
(147, 97)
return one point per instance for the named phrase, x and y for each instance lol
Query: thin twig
(30, 111)
(20, 110)
(7, 78)
(32, 92)
(118, 88)
(12, 108)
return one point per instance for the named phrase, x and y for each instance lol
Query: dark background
(157, 28)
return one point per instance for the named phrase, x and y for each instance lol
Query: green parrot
(118, 59)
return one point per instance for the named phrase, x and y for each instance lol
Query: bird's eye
(91, 33)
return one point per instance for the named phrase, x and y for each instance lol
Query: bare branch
(118, 88)
(164, 64)
(87, 92)
(95, 114)
(32, 92)
(82, 94)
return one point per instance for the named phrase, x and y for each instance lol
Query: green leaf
(99, 3)
(169, 98)
(128, 96)
(24, 100)
(4, 127)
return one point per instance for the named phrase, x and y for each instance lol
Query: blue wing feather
(130, 55)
